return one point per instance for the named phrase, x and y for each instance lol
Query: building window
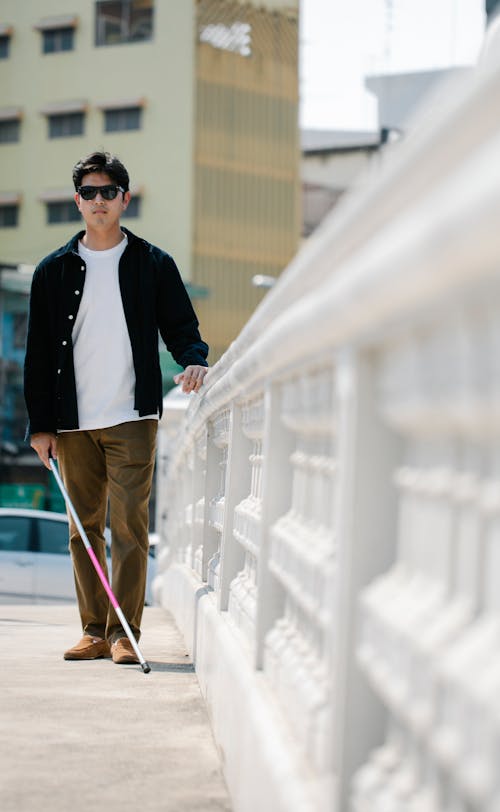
(127, 118)
(62, 211)
(20, 330)
(119, 21)
(9, 131)
(55, 40)
(134, 208)
(65, 124)
(4, 46)
(9, 215)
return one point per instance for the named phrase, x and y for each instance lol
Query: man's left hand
(191, 378)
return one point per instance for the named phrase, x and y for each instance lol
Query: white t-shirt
(104, 369)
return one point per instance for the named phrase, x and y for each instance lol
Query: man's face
(101, 213)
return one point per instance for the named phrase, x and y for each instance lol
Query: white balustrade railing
(329, 506)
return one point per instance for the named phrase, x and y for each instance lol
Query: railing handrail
(362, 281)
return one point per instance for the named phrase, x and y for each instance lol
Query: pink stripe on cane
(101, 575)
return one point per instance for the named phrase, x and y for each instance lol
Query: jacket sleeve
(177, 320)
(38, 368)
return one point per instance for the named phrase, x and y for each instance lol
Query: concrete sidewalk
(81, 735)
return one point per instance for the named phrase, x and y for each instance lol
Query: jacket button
(77, 292)
(64, 343)
(58, 371)
(70, 317)
(82, 267)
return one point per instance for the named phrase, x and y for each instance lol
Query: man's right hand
(45, 445)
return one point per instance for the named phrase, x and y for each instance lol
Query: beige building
(198, 98)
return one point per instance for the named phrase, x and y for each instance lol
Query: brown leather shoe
(122, 651)
(89, 648)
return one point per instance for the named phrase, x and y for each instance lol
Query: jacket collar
(71, 247)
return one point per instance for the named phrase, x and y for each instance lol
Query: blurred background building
(403, 52)
(199, 98)
(399, 94)
(332, 160)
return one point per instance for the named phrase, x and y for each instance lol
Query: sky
(342, 41)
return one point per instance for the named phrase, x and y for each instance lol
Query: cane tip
(145, 667)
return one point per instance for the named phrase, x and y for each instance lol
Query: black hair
(103, 163)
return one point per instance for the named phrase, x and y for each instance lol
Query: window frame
(133, 209)
(15, 208)
(57, 36)
(15, 124)
(52, 206)
(123, 24)
(19, 330)
(120, 114)
(65, 119)
(4, 46)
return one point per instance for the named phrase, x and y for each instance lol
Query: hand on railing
(191, 378)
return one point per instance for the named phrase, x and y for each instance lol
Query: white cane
(144, 665)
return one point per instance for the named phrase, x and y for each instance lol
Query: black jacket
(154, 298)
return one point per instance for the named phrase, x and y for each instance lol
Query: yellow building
(199, 100)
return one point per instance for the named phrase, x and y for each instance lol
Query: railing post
(368, 453)
(277, 446)
(211, 538)
(237, 487)
(199, 477)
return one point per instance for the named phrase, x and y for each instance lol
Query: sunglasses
(107, 192)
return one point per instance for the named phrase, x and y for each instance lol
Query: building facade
(14, 290)
(197, 97)
(333, 163)
(247, 189)
(115, 75)
(399, 95)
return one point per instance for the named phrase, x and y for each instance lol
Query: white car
(35, 562)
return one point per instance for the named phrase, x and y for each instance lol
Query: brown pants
(117, 462)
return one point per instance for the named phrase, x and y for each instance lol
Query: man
(93, 390)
